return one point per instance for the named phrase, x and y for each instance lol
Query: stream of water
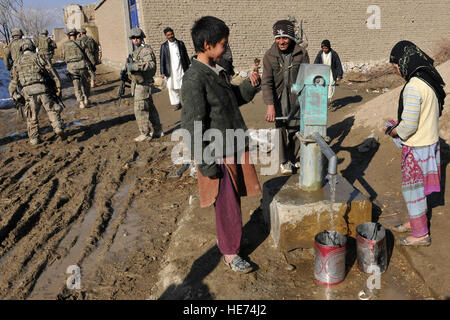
(332, 181)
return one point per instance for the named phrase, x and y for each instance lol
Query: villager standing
(211, 103)
(417, 133)
(280, 67)
(46, 46)
(174, 61)
(328, 56)
(141, 67)
(93, 47)
(40, 86)
(79, 61)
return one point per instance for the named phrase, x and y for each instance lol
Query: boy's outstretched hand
(255, 79)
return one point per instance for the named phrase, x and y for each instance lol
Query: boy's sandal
(238, 265)
(424, 242)
(401, 228)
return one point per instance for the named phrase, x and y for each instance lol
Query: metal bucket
(329, 248)
(371, 247)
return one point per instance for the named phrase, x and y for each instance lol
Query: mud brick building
(350, 25)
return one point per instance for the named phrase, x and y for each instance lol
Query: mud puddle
(51, 281)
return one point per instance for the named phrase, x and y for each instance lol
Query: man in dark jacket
(280, 67)
(174, 61)
(324, 56)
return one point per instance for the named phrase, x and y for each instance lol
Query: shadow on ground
(192, 288)
(342, 102)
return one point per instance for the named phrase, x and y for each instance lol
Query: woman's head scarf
(413, 62)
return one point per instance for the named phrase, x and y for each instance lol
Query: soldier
(12, 51)
(46, 45)
(78, 60)
(141, 67)
(94, 49)
(40, 86)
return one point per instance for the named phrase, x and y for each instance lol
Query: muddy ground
(105, 203)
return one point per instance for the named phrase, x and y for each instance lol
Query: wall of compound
(354, 28)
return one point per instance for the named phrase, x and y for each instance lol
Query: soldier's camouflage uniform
(28, 74)
(93, 48)
(46, 47)
(141, 76)
(12, 52)
(78, 69)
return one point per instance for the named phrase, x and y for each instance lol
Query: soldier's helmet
(137, 33)
(82, 30)
(72, 32)
(16, 32)
(27, 45)
(44, 32)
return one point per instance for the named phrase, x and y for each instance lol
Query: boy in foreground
(213, 102)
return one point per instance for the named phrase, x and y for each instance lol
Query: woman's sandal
(238, 265)
(424, 242)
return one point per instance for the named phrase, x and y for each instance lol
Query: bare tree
(30, 20)
(6, 18)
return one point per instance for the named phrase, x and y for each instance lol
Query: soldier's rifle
(19, 104)
(88, 62)
(51, 88)
(124, 80)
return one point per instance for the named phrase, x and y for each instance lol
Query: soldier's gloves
(212, 171)
(16, 97)
(130, 66)
(122, 74)
(58, 92)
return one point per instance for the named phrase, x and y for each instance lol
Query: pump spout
(326, 150)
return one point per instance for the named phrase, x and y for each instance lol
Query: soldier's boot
(142, 137)
(35, 141)
(86, 101)
(82, 105)
(157, 133)
(60, 133)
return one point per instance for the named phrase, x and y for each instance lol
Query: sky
(48, 4)
(57, 8)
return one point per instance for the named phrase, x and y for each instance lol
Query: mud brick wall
(110, 21)
(250, 21)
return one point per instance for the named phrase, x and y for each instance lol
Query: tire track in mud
(10, 178)
(75, 201)
(19, 224)
(27, 256)
(12, 222)
(85, 236)
(119, 201)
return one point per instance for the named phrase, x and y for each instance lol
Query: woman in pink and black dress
(417, 132)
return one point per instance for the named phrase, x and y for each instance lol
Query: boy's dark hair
(209, 29)
(167, 30)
